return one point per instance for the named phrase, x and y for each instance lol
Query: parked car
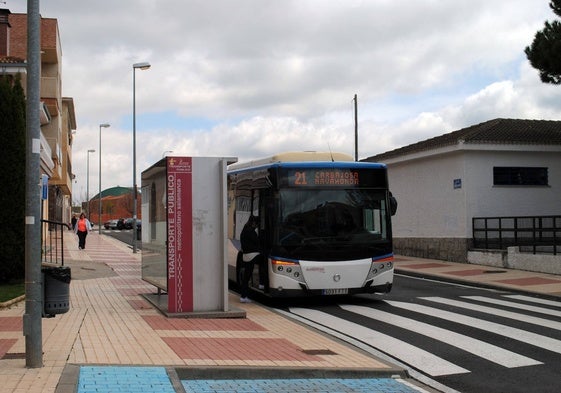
(128, 223)
(111, 224)
(121, 223)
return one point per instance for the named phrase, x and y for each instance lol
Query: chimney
(4, 32)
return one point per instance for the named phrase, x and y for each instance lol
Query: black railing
(52, 241)
(537, 234)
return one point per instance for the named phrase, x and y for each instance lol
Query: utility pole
(32, 323)
(356, 128)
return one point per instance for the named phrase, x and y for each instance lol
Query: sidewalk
(546, 285)
(109, 323)
(112, 338)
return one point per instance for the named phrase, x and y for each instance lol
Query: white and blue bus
(324, 223)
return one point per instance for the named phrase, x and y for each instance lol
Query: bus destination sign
(314, 177)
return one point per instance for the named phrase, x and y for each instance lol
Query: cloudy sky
(250, 78)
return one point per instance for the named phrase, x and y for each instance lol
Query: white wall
(428, 204)
(487, 200)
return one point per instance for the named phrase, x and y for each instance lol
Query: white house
(503, 167)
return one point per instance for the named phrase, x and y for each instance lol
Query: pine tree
(545, 52)
(12, 179)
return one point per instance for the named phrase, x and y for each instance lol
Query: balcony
(47, 164)
(50, 93)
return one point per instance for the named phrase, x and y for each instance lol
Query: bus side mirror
(393, 205)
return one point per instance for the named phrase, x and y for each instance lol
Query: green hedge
(12, 179)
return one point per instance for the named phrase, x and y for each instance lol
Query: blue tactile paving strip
(370, 385)
(105, 379)
(121, 379)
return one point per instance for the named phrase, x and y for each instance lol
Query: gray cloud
(280, 75)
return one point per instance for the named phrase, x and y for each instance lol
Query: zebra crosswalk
(417, 357)
(552, 324)
(514, 305)
(479, 348)
(440, 336)
(492, 327)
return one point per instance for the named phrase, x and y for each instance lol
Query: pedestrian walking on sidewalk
(83, 226)
(73, 222)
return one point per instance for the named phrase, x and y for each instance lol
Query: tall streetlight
(142, 66)
(88, 181)
(103, 125)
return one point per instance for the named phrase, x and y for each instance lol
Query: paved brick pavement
(110, 324)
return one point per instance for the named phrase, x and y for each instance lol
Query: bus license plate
(336, 291)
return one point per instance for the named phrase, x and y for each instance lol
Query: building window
(519, 176)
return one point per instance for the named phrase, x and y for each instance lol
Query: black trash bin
(56, 290)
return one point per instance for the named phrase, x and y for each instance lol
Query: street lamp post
(103, 125)
(142, 66)
(88, 182)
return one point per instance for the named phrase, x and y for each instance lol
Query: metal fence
(536, 234)
(52, 241)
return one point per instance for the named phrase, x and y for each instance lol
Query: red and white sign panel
(180, 234)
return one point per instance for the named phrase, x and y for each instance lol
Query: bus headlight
(379, 265)
(289, 269)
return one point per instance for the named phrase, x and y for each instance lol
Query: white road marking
(416, 357)
(524, 336)
(497, 312)
(534, 300)
(520, 306)
(479, 348)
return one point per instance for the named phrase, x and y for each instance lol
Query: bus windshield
(332, 224)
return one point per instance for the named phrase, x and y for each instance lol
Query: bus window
(332, 216)
(375, 221)
(242, 213)
(246, 205)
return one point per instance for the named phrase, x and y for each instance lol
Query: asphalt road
(124, 235)
(455, 337)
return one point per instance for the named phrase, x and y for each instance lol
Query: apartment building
(58, 120)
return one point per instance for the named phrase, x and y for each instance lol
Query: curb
(10, 303)
(256, 372)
